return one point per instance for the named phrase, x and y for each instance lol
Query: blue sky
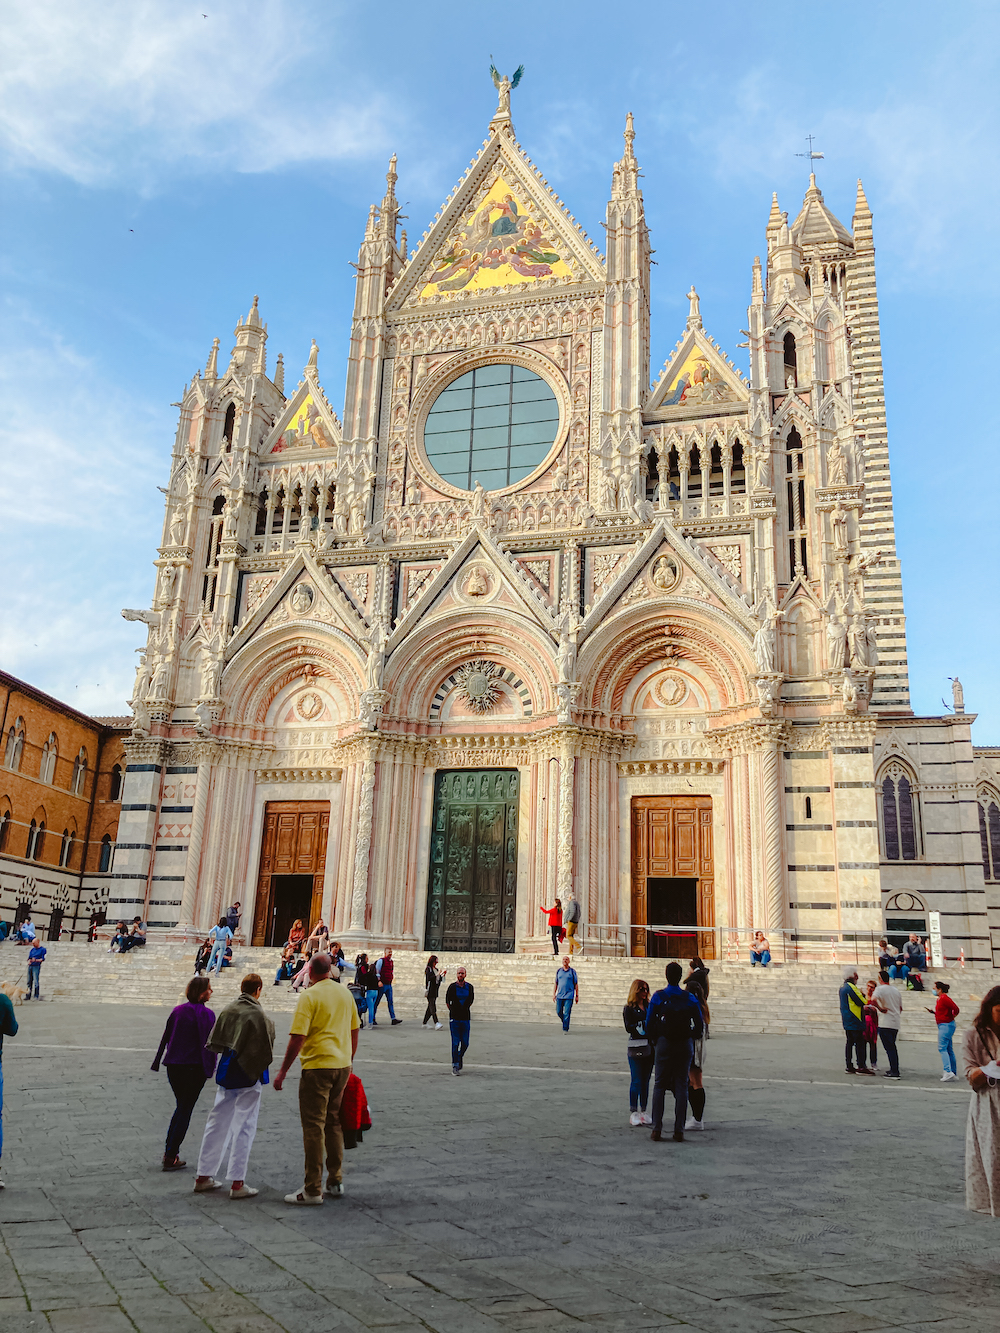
(163, 163)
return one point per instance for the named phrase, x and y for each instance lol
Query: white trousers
(232, 1123)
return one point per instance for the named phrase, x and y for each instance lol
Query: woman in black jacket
(432, 985)
(640, 1052)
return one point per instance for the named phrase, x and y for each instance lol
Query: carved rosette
(478, 685)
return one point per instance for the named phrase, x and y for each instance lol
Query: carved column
(564, 857)
(363, 835)
(770, 799)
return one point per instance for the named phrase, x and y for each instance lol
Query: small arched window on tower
(900, 833)
(47, 770)
(738, 483)
(4, 826)
(15, 745)
(716, 477)
(29, 851)
(798, 542)
(66, 850)
(229, 429)
(107, 846)
(115, 789)
(989, 833)
(36, 841)
(210, 578)
(694, 475)
(652, 478)
(261, 526)
(791, 362)
(79, 772)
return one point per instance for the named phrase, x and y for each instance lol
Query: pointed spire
(774, 219)
(861, 223)
(625, 175)
(253, 319)
(389, 211)
(370, 225)
(279, 374)
(629, 136)
(861, 205)
(212, 364)
(757, 287)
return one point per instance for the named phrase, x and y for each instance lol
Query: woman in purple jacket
(189, 1064)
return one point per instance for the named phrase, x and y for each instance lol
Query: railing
(730, 943)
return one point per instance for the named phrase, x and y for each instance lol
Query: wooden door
(471, 900)
(294, 842)
(672, 839)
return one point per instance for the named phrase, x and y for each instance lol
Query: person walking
(981, 1052)
(459, 998)
(244, 1036)
(554, 914)
(566, 992)
(8, 1028)
(639, 1051)
(852, 1016)
(220, 936)
(673, 1021)
(324, 1037)
(189, 1064)
(760, 950)
(945, 1012)
(889, 1003)
(432, 989)
(696, 1086)
(571, 919)
(36, 957)
(384, 974)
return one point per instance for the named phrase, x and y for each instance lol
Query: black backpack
(672, 1019)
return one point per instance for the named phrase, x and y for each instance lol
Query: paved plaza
(516, 1197)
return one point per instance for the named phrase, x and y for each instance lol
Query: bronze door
(473, 863)
(673, 876)
(292, 864)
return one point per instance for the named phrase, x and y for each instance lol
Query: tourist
(852, 1015)
(871, 1025)
(189, 1064)
(202, 956)
(337, 959)
(459, 998)
(673, 1020)
(889, 1003)
(324, 1037)
(26, 931)
(760, 950)
(359, 986)
(36, 957)
(697, 974)
(912, 959)
(555, 916)
(432, 989)
(696, 1087)
(136, 937)
(384, 972)
(233, 917)
(244, 1036)
(981, 1051)
(566, 992)
(945, 1012)
(887, 955)
(119, 937)
(319, 939)
(220, 936)
(297, 934)
(286, 965)
(8, 1028)
(639, 1051)
(571, 919)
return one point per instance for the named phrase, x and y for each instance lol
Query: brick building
(60, 798)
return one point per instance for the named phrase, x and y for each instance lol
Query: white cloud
(122, 89)
(79, 499)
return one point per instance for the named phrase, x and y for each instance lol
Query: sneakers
(691, 1123)
(645, 1119)
(635, 1119)
(865, 1070)
(335, 1190)
(304, 1200)
(949, 1077)
(438, 1027)
(396, 1022)
(887, 1074)
(244, 1192)
(204, 1186)
(455, 1069)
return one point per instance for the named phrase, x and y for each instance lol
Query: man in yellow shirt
(324, 1034)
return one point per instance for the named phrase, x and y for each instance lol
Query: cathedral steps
(797, 999)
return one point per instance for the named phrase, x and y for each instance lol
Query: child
(36, 957)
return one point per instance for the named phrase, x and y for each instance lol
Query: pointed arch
(15, 745)
(899, 812)
(989, 832)
(79, 778)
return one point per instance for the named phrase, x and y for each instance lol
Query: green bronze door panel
(473, 862)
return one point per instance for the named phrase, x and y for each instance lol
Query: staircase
(797, 998)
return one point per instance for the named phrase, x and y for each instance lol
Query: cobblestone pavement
(514, 1198)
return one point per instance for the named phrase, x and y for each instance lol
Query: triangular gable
(306, 422)
(502, 230)
(301, 563)
(799, 588)
(697, 576)
(697, 375)
(506, 568)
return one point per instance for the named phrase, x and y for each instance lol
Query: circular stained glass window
(494, 425)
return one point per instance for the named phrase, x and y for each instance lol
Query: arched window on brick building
(79, 772)
(989, 833)
(50, 750)
(107, 847)
(15, 745)
(900, 821)
(115, 791)
(66, 850)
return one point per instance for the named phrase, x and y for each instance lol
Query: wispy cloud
(124, 90)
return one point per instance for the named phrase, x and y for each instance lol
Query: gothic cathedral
(520, 625)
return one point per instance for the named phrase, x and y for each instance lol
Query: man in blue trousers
(459, 998)
(673, 1020)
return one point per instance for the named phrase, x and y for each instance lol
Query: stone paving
(514, 1198)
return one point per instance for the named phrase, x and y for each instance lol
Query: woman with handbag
(432, 986)
(696, 1088)
(981, 1049)
(640, 1052)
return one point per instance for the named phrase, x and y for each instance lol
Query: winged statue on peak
(504, 86)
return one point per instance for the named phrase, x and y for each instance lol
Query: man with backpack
(673, 1020)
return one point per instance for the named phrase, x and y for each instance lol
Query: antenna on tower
(813, 157)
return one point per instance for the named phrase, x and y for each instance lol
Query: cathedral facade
(520, 624)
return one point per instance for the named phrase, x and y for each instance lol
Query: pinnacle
(774, 220)
(861, 205)
(629, 135)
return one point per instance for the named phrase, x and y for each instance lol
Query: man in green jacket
(8, 1028)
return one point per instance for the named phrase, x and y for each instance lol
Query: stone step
(798, 998)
